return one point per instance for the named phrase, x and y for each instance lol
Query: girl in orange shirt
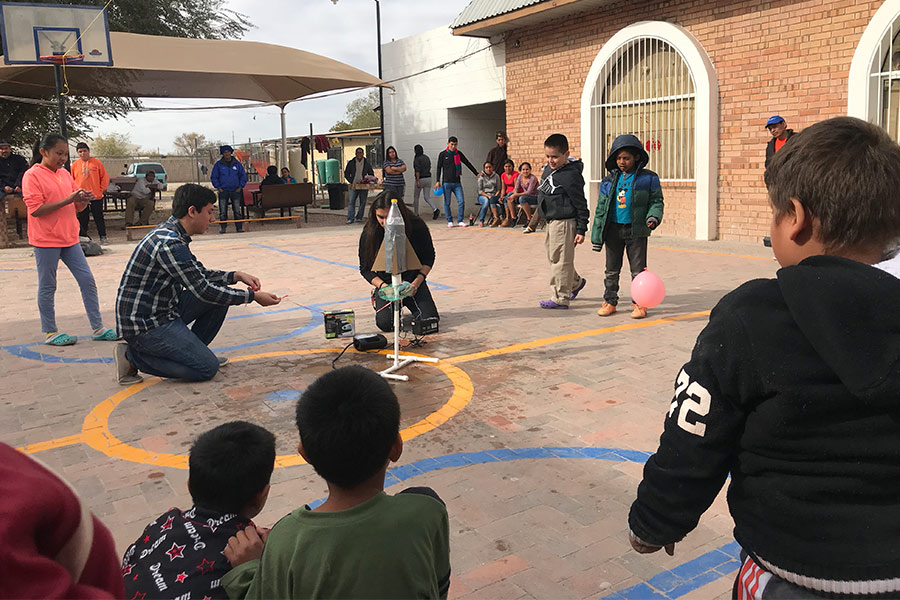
(53, 199)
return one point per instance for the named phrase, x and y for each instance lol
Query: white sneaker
(463, 224)
(451, 225)
(126, 373)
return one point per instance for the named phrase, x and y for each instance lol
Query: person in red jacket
(53, 547)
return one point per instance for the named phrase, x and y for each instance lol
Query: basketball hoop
(62, 59)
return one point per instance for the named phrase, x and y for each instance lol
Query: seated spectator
(508, 177)
(526, 195)
(271, 177)
(12, 168)
(142, 199)
(489, 189)
(53, 547)
(286, 176)
(179, 555)
(361, 542)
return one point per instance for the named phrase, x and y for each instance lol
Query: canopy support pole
(284, 159)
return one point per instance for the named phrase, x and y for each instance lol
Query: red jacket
(52, 547)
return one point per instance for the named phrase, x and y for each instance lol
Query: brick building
(696, 80)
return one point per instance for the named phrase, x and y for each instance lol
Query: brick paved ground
(536, 523)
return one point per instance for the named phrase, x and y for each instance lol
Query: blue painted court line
(25, 350)
(686, 577)
(284, 395)
(431, 284)
(668, 585)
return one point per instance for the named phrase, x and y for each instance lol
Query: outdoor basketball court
(533, 426)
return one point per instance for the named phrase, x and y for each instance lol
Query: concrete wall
(464, 99)
(770, 57)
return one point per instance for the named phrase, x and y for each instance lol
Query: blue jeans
(361, 196)
(454, 188)
(486, 203)
(232, 197)
(174, 351)
(47, 260)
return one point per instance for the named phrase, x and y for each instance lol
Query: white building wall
(418, 110)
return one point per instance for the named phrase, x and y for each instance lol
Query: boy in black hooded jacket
(629, 207)
(793, 387)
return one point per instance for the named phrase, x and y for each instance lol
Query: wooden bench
(125, 185)
(288, 195)
(133, 230)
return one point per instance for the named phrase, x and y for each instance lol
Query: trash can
(337, 195)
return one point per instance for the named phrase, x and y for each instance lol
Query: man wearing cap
(780, 134)
(12, 167)
(91, 175)
(229, 178)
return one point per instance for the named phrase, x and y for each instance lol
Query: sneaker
(126, 373)
(451, 224)
(574, 293)
(462, 224)
(349, 221)
(223, 360)
(104, 241)
(606, 309)
(637, 311)
(435, 215)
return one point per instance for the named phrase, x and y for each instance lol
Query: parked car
(140, 169)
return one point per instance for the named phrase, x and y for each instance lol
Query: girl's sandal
(106, 335)
(61, 339)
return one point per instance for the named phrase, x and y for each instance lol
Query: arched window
(647, 90)
(655, 80)
(874, 79)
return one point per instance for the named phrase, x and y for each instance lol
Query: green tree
(23, 124)
(189, 143)
(360, 114)
(114, 144)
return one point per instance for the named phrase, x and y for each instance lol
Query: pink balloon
(647, 289)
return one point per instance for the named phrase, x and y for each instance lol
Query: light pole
(380, 89)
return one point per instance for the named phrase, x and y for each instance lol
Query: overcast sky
(344, 32)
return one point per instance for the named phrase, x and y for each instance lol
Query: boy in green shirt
(361, 542)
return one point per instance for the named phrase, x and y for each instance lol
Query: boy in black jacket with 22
(792, 387)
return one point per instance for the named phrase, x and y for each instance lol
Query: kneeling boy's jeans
(174, 351)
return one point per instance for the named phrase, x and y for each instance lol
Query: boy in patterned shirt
(180, 554)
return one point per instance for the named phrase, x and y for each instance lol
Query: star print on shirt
(126, 570)
(167, 524)
(181, 577)
(175, 551)
(206, 566)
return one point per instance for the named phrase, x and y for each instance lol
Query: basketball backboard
(32, 31)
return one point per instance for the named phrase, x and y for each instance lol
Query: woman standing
(420, 302)
(53, 202)
(393, 169)
(422, 169)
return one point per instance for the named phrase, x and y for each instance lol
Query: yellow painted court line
(68, 440)
(96, 433)
(571, 336)
(769, 258)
